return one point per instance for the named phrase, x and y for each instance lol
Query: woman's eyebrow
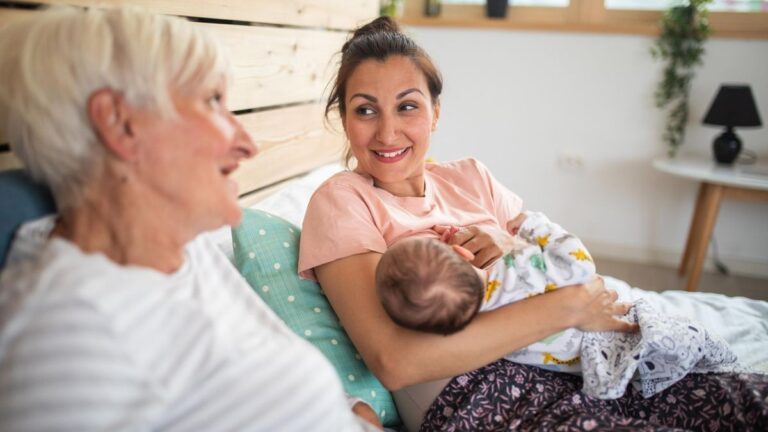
(404, 93)
(364, 96)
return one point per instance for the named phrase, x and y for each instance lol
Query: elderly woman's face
(388, 119)
(188, 159)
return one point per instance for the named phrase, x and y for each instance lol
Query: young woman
(387, 92)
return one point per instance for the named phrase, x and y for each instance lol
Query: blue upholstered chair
(21, 200)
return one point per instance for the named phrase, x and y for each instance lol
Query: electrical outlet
(570, 162)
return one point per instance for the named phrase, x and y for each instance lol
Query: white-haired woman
(123, 317)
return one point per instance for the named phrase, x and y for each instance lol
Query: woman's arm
(400, 357)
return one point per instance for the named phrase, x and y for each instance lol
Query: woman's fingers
(623, 326)
(485, 257)
(476, 244)
(440, 229)
(462, 236)
(621, 308)
(464, 253)
(613, 296)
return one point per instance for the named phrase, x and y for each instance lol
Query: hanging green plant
(684, 29)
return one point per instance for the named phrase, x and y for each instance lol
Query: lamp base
(726, 147)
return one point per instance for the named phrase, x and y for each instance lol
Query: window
(544, 3)
(715, 6)
(728, 18)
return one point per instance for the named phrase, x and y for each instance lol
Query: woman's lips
(390, 156)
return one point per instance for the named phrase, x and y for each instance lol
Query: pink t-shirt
(348, 215)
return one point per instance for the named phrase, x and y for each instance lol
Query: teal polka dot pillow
(266, 253)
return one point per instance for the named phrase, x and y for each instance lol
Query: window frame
(581, 16)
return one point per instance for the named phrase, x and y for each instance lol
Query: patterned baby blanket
(664, 350)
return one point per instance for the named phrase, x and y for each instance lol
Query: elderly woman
(117, 314)
(387, 93)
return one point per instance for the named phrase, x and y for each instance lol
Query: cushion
(21, 200)
(266, 251)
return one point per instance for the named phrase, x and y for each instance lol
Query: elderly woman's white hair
(53, 61)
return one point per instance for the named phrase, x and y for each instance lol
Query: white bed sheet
(741, 321)
(290, 203)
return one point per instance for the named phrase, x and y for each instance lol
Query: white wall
(522, 101)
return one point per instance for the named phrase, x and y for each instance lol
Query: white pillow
(290, 203)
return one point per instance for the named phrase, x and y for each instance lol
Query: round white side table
(740, 182)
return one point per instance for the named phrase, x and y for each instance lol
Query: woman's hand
(365, 412)
(594, 308)
(486, 242)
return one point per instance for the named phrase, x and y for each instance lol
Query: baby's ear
(464, 253)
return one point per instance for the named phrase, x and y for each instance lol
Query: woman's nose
(386, 132)
(243, 142)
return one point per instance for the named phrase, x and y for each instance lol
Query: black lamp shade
(733, 106)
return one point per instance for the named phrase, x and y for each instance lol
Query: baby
(425, 284)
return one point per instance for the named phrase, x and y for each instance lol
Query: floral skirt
(506, 396)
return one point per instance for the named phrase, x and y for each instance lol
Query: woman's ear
(109, 114)
(436, 115)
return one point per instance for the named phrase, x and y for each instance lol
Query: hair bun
(382, 24)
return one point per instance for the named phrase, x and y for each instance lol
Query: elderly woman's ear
(110, 116)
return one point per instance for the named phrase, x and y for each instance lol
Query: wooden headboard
(283, 53)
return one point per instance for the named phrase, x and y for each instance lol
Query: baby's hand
(514, 225)
(446, 232)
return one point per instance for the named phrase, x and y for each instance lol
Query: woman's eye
(364, 111)
(408, 107)
(215, 100)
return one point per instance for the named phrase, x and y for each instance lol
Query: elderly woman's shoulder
(53, 280)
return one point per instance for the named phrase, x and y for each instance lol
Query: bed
(283, 55)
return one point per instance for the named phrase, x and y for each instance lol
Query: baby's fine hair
(425, 285)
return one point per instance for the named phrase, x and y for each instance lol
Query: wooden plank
(9, 161)
(254, 197)
(275, 66)
(272, 66)
(291, 141)
(335, 14)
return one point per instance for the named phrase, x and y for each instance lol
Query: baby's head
(425, 285)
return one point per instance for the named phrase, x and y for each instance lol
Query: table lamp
(733, 106)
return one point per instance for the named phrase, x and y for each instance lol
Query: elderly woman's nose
(246, 145)
(243, 143)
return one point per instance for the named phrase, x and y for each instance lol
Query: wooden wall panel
(272, 66)
(335, 14)
(275, 66)
(291, 141)
(9, 161)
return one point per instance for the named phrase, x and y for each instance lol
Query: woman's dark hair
(380, 39)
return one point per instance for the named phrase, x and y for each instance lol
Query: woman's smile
(391, 156)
